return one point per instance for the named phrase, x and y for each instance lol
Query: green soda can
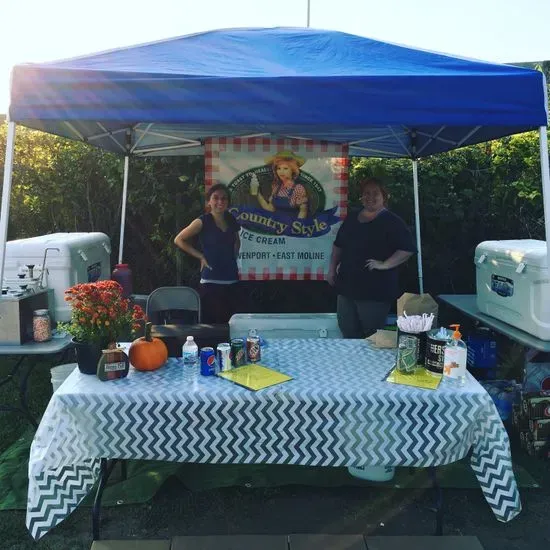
(238, 352)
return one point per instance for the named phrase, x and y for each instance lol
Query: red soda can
(253, 349)
(208, 362)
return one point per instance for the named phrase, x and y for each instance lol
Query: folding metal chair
(173, 305)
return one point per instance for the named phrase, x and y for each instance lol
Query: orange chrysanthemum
(100, 313)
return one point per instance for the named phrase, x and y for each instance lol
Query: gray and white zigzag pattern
(337, 411)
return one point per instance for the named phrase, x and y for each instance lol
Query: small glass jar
(41, 325)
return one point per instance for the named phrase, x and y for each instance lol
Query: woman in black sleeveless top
(218, 234)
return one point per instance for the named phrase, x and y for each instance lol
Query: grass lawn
(13, 425)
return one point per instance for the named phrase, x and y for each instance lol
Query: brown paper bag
(417, 304)
(383, 339)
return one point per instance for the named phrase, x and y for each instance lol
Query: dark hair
(218, 187)
(379, 184)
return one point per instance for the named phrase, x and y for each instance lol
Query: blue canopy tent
(383, 100)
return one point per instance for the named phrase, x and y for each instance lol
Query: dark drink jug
(123, 276)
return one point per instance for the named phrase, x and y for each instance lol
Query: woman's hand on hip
(333, 275)
(375, 264)
(397, 258)
(204, 263)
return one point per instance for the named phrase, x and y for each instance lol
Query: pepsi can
(208, 362)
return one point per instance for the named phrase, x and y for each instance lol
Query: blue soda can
(208, 362)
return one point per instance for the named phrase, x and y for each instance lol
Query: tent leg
(417, 225)
(545, 173)
(6, 195)
(123, 213)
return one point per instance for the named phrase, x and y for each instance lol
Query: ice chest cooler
(284, 325)
(80, 258)
(513, 284)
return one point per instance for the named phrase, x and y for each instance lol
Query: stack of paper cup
(60, 374)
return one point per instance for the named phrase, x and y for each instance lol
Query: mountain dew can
(238, 352)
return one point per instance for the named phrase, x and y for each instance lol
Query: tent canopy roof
(382, 99)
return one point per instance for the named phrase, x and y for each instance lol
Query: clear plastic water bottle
(190, 352)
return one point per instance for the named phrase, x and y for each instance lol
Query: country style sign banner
(289, 197)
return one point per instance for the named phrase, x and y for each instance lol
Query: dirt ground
(298, 509)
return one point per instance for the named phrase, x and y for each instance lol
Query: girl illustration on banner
(287, 196)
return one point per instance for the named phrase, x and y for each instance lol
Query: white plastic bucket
(373, 473)
(60, 373)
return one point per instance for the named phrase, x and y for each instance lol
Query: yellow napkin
(254, 377)
(421, 378)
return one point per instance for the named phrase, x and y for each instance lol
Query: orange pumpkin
(148, 353)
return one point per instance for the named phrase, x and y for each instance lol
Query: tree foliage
(483, 192)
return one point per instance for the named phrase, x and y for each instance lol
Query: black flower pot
(87, 356)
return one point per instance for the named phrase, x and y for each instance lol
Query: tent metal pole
(6, 195)
(545, 173)
(417, 225)
(123, 212)
(308, 11)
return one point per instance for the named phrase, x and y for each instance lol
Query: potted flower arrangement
(100, 317)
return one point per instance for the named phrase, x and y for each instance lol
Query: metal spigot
(40, 284)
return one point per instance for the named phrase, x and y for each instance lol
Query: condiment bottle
(456, 354)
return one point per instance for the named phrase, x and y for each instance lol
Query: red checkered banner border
(287, 225)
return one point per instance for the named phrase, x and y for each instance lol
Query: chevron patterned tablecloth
(337, 411)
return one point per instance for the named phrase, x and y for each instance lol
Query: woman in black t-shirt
(369, 246)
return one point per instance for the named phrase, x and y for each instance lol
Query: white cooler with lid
(284, 325)
(513, 284)
(79, 258)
